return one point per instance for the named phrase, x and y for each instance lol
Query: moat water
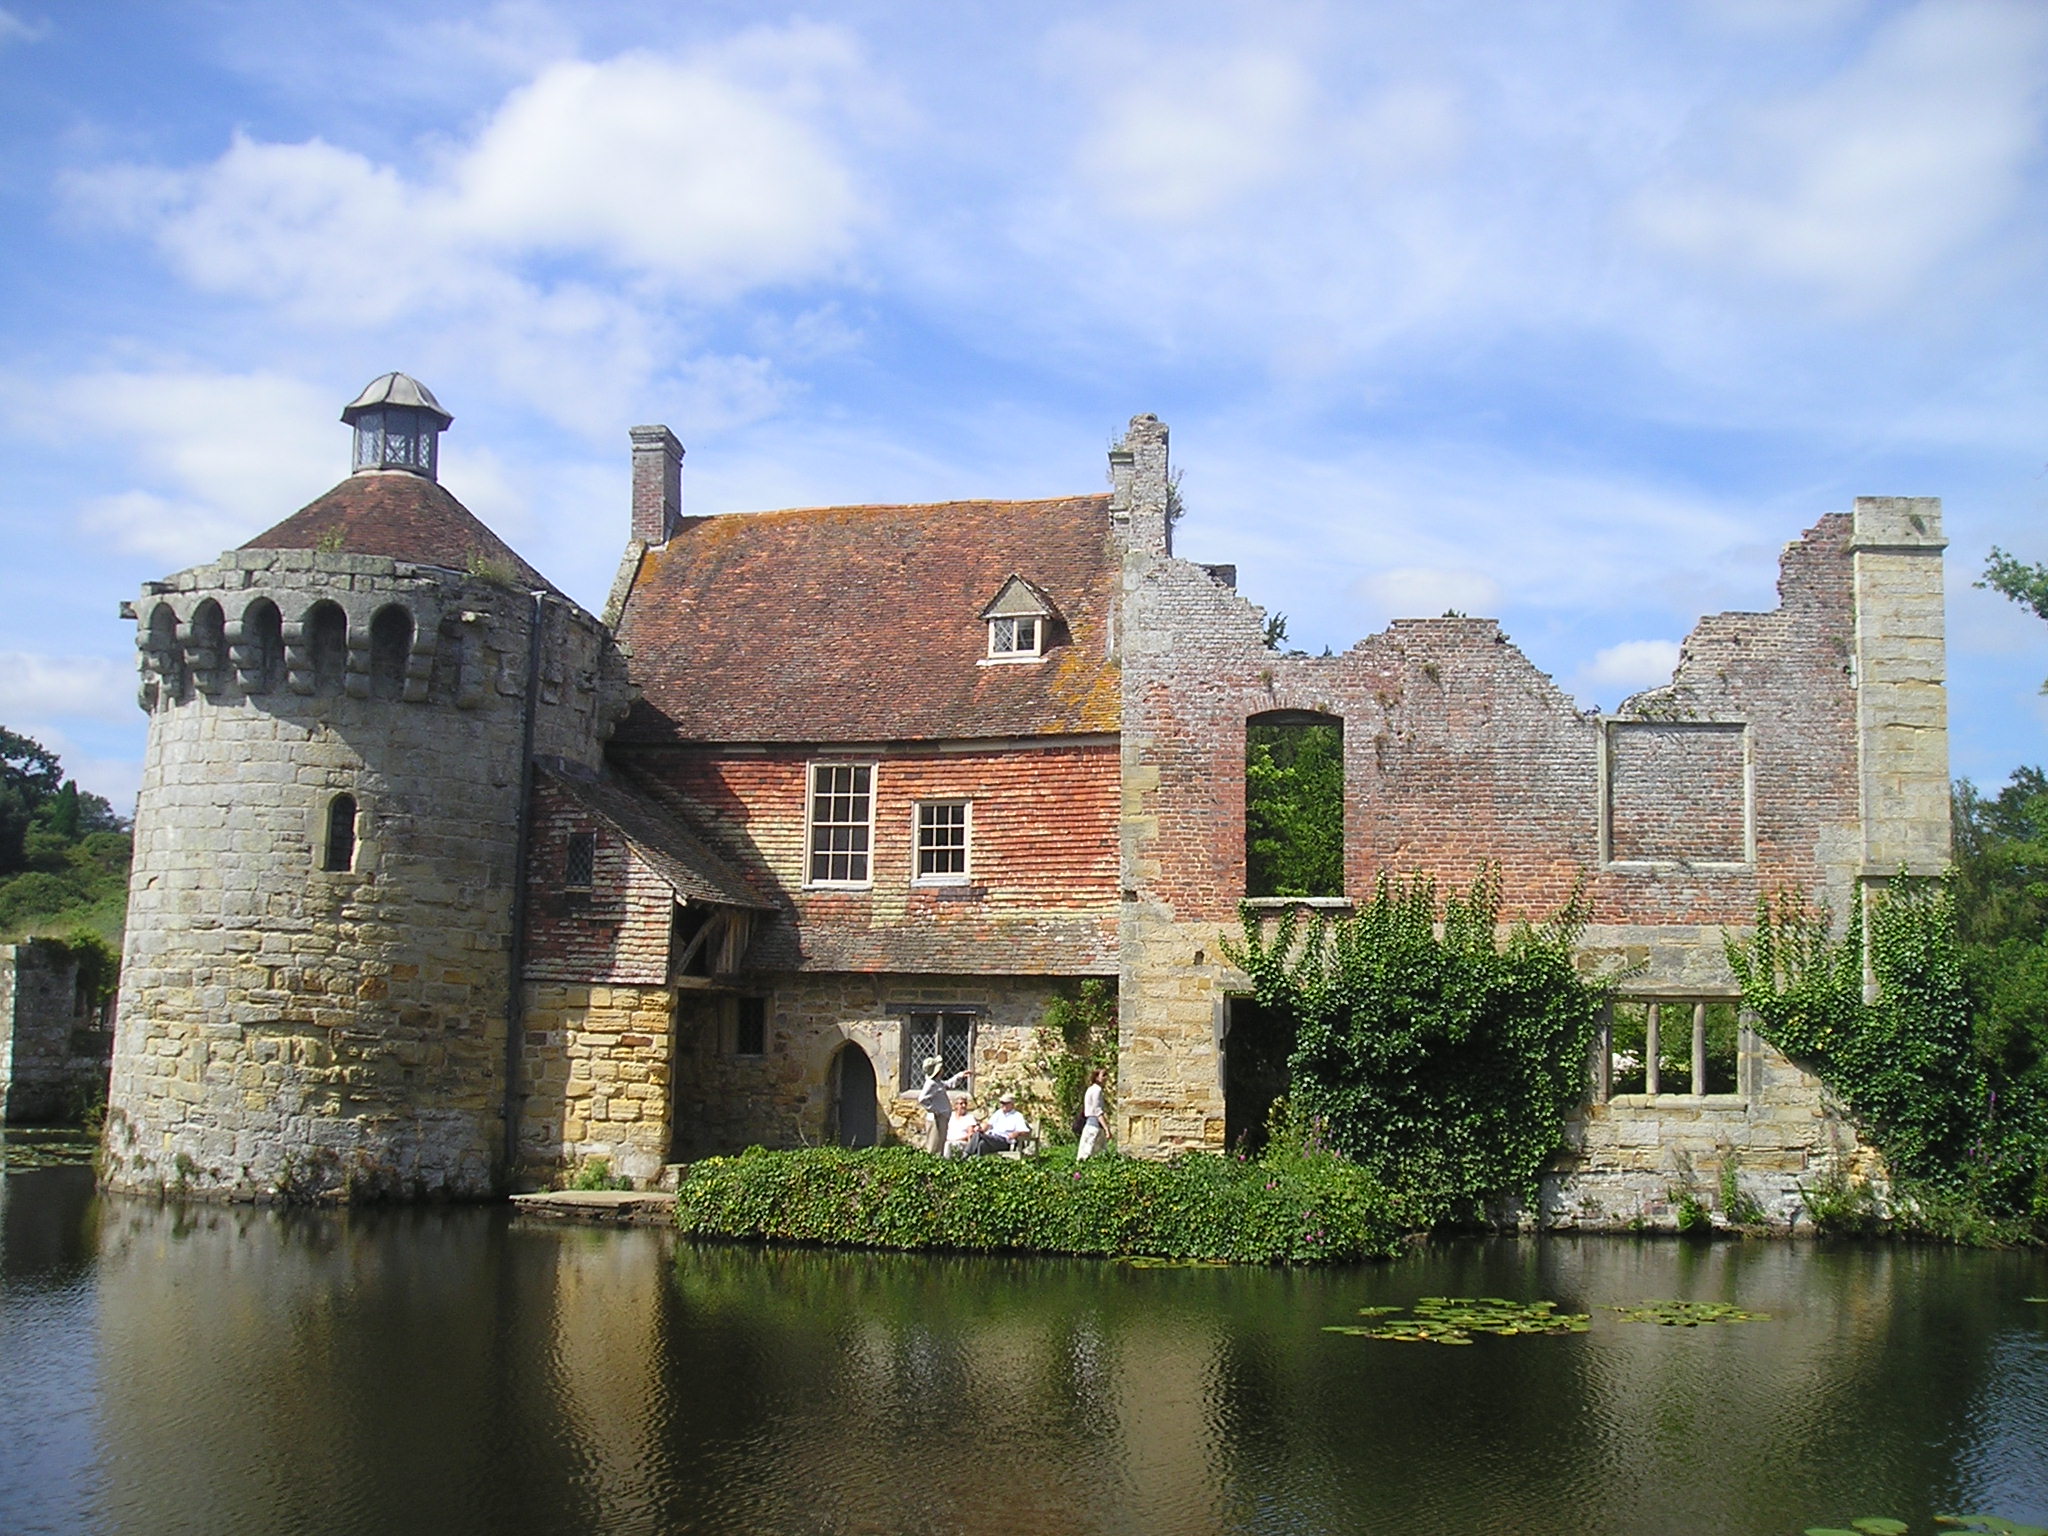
(220, 1371)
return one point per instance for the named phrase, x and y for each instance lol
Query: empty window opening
(166, 655)
(340, 852)
(750, 1027)
(947, 1035)
(942, 841)
(1016, 637)
(1294, 805)
(263, 643)
(1669, 1045)
(208, 648)
(390, 651)
(842, 823)
(1257, 1046)
(327, 643)
(579, 863)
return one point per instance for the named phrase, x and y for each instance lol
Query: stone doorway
(1256, 1046)
(853, 1097)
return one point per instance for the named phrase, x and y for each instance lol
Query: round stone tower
(316, 984)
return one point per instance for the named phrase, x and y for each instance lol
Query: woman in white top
(1091, 1111)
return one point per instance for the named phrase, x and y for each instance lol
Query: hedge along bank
(1293, 1208)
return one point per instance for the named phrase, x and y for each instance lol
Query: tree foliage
(63, 852)
(1951, 1121)
(1441, 1057)
(1294, 809)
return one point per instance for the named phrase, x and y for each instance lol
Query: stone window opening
(164, 656)
(339, 853)
(942, 841)
(206, 647)
(263, 665)
(945, 1033)
(750, 1026)
(1294, 805)
(1671, 1046)
(579, 861)
(391, 632)
(327, 646)
(840, 833)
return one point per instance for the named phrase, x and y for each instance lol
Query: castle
(444, 885)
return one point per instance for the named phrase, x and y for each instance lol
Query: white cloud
(548, 243)
(1196, 133)
(14, 30)
(1861, 187)
(1412, 591)
(222, 456)
(1631, 665)
(35, 687)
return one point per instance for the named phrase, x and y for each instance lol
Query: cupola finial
(398, 425)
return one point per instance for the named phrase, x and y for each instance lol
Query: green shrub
(1444, 1060)
(1294, 1209)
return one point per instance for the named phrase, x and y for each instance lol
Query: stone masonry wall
(286, 1030)
(53, 1055)
(783, 1098)
(597, 1069)
(1041, 894)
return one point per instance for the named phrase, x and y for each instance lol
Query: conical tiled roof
(403, 516)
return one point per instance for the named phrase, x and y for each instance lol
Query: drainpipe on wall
(515, 1003)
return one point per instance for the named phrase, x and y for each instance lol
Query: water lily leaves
(1694, 1314)
(22, 1149)
(1148, 1261)
(1454, 1319)
(1880, 1525)
(1994, 1524)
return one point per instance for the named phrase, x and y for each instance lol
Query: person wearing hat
(936, 1098)
(1007, 1130)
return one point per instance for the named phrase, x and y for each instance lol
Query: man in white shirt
(1007, 1129)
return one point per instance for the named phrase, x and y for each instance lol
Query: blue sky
(1571, 314)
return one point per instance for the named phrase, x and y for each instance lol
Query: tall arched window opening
(166, 655)
(390, 650)
(327, 640)
(207, 652)
(340, 851)
(1294, 804)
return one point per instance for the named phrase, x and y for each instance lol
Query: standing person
(936, 1096)
(1092, 1131)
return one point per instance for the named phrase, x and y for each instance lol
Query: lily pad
(1454, 1319)
(1880, 1525)
(1690, 1314)
(60, 1148)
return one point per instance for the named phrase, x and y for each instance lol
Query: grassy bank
(1284, 1209)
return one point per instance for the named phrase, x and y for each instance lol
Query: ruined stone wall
(53, 1053)
(1041, 893)
(784, 1097)
(1749, 773)
(289, 1029)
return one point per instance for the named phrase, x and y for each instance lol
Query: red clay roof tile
(863, 624)
(400, 515)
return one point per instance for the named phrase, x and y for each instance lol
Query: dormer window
(1014, 637)
(1020, 621)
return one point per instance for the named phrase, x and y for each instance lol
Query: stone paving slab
(623, 1207)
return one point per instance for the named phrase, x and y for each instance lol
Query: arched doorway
(853, 1097)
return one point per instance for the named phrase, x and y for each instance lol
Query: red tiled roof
(400, 515)
(863, 624)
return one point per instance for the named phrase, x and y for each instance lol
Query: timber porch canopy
(717, 911)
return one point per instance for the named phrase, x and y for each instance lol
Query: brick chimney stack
(657, 484)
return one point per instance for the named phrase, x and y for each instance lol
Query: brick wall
(1041, 896)
(615, 931)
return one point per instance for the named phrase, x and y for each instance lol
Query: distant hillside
(63, 851)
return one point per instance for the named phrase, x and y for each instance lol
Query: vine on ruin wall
(1432, 1050)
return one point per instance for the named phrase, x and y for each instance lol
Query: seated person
(962, 1128)
(1008, 1131)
